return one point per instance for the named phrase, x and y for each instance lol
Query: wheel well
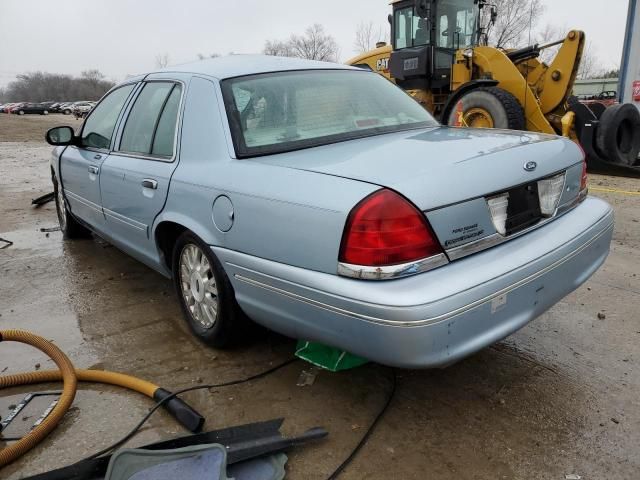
(167, 234)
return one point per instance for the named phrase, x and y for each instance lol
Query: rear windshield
(281, 112)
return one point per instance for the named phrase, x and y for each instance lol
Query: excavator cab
(425, 36)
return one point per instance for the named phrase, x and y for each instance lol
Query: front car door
(80, 165)
(135, 177)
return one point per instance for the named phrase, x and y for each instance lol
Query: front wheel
(69, 226)
(21, 112)
(488, 107)
(46, 112)
(205, 293)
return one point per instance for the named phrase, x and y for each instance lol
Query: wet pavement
(560, 397)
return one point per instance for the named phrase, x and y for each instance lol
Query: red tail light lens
(385, 229)
(584, 181)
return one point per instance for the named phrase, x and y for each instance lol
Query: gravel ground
(560, 397)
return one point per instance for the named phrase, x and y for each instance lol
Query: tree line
(42, 87)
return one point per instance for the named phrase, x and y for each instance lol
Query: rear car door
(80, 165)
(135, 177)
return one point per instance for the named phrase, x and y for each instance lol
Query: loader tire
(490, 107)
(618, 136)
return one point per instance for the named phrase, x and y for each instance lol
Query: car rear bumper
(435, 318)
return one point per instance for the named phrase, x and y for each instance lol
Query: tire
(503, 109)
(21, 112)
(197, 300)
(46, 112)
(66, 111)
(618, 136)
(69, 226)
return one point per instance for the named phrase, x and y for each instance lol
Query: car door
(80, 165)
(135, 177)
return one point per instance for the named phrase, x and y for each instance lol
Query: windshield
(279, 112)
(456, 23)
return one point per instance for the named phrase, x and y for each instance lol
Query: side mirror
(58, 136)
(494, 14)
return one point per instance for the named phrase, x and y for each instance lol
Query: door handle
(150, 183)
(93, 169)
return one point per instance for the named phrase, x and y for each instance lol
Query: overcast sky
(121, 37)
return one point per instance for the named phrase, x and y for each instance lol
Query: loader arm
(560, 76)
(489, 61)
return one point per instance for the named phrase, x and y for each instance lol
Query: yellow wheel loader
(440, 57)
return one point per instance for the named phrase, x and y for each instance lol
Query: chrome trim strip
(438, 318)
(474, 247)
(496, 239)
(126, 220)
(394, 271)
(82, 201)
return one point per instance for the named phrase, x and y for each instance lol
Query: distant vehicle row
(79, 109)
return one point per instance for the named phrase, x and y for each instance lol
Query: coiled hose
(186, 415)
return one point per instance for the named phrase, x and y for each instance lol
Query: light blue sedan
(324, 203)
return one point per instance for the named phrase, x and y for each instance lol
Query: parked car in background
(31, 108)
(325, 203)
(66, 108)
(81, 109)
(14, 107)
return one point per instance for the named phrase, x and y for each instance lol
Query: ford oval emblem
(530, 166)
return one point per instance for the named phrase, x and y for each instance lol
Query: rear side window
(151, 125)
(166, 132)
(99, 127)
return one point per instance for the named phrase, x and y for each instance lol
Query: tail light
(386, 230)
(584, 180)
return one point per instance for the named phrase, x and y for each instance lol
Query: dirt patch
(31, 128)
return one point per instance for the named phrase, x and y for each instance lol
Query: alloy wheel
(198, 286)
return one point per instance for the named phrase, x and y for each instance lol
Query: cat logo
(382, 64)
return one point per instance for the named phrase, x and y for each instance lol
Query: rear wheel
(618, 137)
(204, 291)
(489, 107)
(21, 112)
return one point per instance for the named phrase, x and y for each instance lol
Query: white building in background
(630, 67)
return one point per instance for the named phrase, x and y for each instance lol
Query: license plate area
(523, 210)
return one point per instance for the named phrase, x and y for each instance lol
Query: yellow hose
(90, 376)
(67, 372)
(181, 411)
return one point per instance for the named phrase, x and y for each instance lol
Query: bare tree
(277, 48)
(162, 60)
(589, 64)
(41, 86)
(549, 33)
(368, 35)
(315, 44)
(515, 19)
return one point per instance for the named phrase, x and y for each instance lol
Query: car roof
(238, 65)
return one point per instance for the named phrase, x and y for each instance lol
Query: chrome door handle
(150, 183)
(93, 169)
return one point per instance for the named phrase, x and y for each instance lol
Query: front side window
(142, 123)
(456, 27)
(410, 29)
(98, 129)
(278, 112)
